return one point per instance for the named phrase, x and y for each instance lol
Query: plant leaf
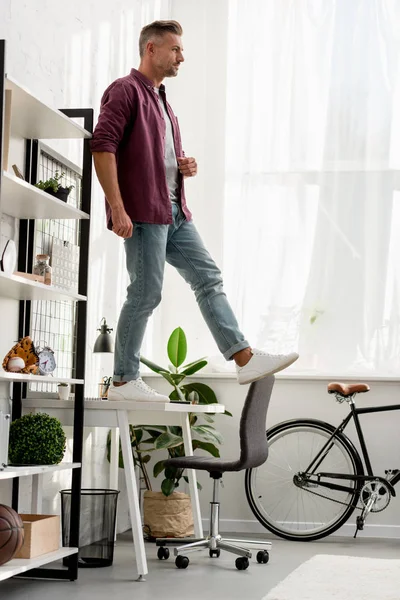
(199, 486)
(174, 395)
(194, 367)
(207, 446)
(146, 459)
(206, 394)
(208, 433)
(168, 376)
(177, 378)
(193, 363)
(177, 347)
(229, 414)
(152, 366)
(176, 430)
(155, 430)
(208, 418)
(158, 468)
(171, 473)
(167, 487)
(168, 440)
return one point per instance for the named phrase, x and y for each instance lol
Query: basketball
(11, 533)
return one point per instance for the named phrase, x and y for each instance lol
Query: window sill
(293, 376)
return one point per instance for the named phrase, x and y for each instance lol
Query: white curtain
(312, 203)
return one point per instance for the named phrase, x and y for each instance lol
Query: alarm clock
(47, 361)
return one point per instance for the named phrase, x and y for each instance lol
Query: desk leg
(131, 487)
(191, 473)
(114, 458)
(114, 465)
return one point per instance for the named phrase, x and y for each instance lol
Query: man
(141, 166)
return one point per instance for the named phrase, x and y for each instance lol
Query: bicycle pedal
(391, 473)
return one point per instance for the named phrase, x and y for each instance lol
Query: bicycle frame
(353, 414)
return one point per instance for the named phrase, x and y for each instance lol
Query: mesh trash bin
(97, 525)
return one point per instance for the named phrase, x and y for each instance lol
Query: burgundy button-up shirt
(131, 125)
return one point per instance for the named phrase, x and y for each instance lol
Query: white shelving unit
(33, 119)
(21, 565)
(30, 118)
(25, 201)
(12, 472)
(19, 288)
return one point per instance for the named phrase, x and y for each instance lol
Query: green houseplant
(204, 434)
(147, 439)
(53, 187)
(36, 439)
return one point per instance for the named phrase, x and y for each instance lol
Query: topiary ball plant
(36, 439)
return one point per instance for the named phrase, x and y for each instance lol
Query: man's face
(168, 55)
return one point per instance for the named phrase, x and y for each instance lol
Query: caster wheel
(263, 557)
(182, 562)
(242, 563)
(215, 553)
(163, 553)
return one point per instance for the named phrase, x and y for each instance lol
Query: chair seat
(348, 389)
(204, 463)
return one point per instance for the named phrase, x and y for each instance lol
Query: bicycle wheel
(292, 503)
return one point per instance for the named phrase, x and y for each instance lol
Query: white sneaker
(135, 391)
(262, 364)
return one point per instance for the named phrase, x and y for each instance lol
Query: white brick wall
(67, 53)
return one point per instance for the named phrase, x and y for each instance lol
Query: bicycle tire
(348, 450)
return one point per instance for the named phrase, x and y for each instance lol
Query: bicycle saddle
(348, 389)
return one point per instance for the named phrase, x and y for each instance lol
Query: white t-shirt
(171, 164)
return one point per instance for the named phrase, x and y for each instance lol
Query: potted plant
(36, 439)
(178, 521)
(63, 391)
(53, 186)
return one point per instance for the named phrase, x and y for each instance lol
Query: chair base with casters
(254, 452)
(214, 543)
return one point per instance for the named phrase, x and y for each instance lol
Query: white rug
(325, 577)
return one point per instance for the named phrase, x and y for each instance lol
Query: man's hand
(187, 166)
(122, 224)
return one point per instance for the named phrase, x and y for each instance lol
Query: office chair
(253, 453)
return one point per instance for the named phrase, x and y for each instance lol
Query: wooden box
(42, 535)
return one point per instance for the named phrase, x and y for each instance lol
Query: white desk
(119, 415)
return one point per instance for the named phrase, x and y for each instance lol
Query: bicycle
(314, 478)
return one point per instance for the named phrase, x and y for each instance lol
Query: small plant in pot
(36, 439)
(53, 187)
(63, 391)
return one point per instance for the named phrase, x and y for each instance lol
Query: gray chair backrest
(253, 441)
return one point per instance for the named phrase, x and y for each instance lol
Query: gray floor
(205, 578)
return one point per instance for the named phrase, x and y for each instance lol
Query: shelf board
(6, 376)
(19, 288)
(21, 565)
(24, 201)
(33, 119)
(12, 472)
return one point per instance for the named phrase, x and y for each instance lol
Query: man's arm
(106, 170)
(115, 115)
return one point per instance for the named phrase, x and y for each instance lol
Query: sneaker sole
(262, 375)
(122, 399)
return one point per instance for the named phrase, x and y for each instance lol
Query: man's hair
(157, 29)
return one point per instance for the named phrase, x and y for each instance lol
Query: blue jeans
(146, 252)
